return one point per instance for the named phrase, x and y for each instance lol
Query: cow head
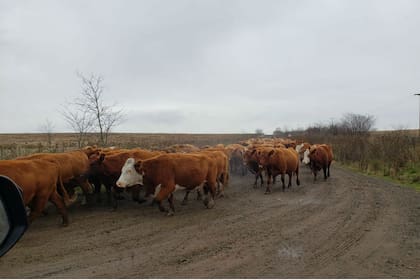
(249, 156)
(130, 175)
(264, 157)
(306, 159)
(299, 147)
(95, 163)
(90, 150)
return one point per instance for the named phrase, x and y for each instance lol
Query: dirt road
(348, 226)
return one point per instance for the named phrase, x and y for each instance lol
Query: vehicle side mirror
(13, 219)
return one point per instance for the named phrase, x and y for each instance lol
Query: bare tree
(357, 124)
(259, 132)
(106, 116)
(47, 128)
(80, 121)
(277, 132)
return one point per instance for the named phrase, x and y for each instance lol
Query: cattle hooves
(210, 204)
(170, 214)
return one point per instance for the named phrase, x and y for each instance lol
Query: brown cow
(106, 169)
(236, 152)
(251, 162)
(38, 180)
(222, 165)
(320, 157)
(74, 168)
(166, 173)
(279, 161)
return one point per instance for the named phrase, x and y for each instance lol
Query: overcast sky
(212, 66)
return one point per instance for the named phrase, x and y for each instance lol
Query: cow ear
(137, 165)
(271, 153)
(102, 157)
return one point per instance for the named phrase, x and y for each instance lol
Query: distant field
(13, 145)
(409, 132)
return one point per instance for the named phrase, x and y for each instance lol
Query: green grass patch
(407, 176)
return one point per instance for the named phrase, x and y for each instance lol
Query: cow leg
(114, 200)
(37, 206)
(98, 194)
(185, 200)
(87, 190)
(329, 164)
(290, 179)
(97, 184)
(324, 168)
(161, 207)
(297, 177)
(135, 194)
(268, 189)
(256, 181)
(209, 192)
(116, 194)
(224, 182)
(109, 193)
(165, 192)
(282, 181)
(314, 172)
(221, 188)
(199, 194)
(58, 202)
(171, 205)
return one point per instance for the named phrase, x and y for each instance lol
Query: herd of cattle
(54, 177)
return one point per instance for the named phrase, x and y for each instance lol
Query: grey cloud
(213, 66)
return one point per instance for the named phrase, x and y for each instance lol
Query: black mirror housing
(12, 200)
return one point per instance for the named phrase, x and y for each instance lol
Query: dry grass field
(13, 145)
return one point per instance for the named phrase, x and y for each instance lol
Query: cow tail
(67, 200)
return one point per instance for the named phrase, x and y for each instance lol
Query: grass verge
(408, 176)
